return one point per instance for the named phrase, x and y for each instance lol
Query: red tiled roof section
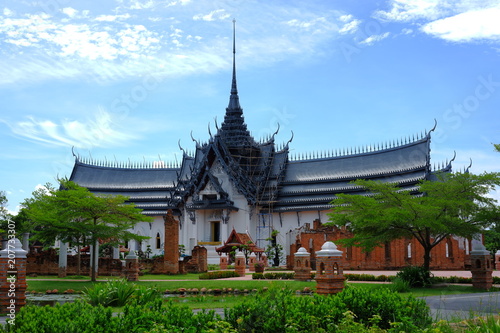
(238, 239)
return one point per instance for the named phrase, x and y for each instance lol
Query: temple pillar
(12, 279)
(302, 267)
(329, 269)
(63, 259)
(239, 263)
(171, 252)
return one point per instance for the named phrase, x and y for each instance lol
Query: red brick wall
(393, 255)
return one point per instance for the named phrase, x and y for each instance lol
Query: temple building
(235, 182)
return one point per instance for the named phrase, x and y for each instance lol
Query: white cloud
(80, 40)
(102, 131)
(8, 12)
(215, 15)
(351, 25)
(459, 21)
(303, 24)
(71, 12)
(472, 25)
(111, 18)
(375, 38)
(409, 10)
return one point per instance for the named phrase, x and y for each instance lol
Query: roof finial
(234, 100)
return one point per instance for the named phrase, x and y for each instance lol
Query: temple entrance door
(215, 231)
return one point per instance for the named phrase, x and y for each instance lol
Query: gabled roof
(238, 239)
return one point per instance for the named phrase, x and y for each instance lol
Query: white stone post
(63, 259)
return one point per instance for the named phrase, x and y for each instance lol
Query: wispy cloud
(482, 24)
(458, 21)
(374, 38)
(351, 25)
(219, 14)
(101, 131)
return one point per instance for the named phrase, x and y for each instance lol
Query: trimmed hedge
(218, 275)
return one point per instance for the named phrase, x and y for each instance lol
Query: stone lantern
(329, 269)
(481, 267)
(302, 265)
(12, 278)
(240, 263)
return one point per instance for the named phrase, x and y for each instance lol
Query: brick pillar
(252, 259)
(239, 263)
(481, 268)
(223, 261)
(63, 259)
(497, 260)
(171, 253)
(302, 265)
(263, 259)
(131, 267)
(12, 279)
(329, 270)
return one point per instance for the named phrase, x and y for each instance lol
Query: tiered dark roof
(265, 175)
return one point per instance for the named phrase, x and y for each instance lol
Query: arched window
(322, 268)
(408, 249)
(158, 240)
(297, 264)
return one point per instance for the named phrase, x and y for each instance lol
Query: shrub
(390, 306)
(218, 275)
(119, 293)
(81, 317)
(400, 286)
(378, 307)
(416, 276)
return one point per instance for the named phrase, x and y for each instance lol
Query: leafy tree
(75, 213)
(4, 214)
(492, 236)
(455, 204)
(274, 250)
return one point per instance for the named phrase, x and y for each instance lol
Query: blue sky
(129, 79)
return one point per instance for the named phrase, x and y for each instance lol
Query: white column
(26, 243)
(97, 256)
(116, 252)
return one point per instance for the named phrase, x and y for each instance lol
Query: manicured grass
(61, 285)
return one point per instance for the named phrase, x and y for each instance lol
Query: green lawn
(61, 285)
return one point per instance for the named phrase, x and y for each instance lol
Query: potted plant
(259, 267)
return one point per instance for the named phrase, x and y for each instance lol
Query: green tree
(76, 213)
(492, 235)
(455, 204)
(274, 250)
(4, 214)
